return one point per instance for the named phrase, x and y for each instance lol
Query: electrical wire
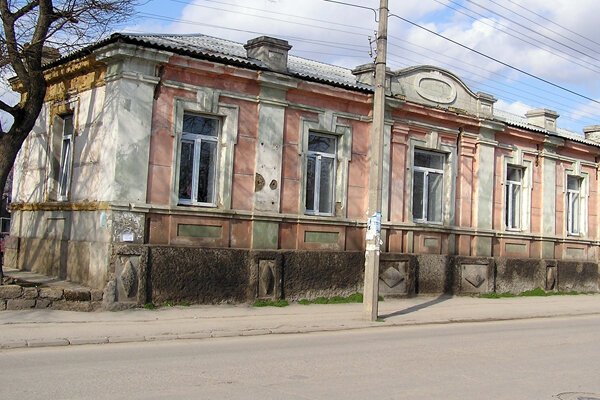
(529, 29)
(272, 18)
(483, 80)
(566, 57)
(542, 26)
(496, 60)
(553, 23)
(271, 12)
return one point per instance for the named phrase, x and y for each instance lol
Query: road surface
(527, 359)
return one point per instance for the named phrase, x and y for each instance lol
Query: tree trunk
(11, 141)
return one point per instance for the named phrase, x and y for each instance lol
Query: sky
(528, 54)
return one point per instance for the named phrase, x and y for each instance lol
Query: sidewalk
(39, 328)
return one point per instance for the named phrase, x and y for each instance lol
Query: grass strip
(353, 298)
(537, 292)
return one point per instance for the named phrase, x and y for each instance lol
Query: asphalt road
(527, 359)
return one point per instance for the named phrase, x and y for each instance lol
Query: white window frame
(571, 196)
(207, 104)
(66, 159)
(426, 171)
(510, 206)
(318, 156)
(328, 123)
(197, 140)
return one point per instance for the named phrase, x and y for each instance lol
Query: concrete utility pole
(373, 238)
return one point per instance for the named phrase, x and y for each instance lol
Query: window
(514, 183)
(428, 186)
(198, 160)
(66, 157)
(320, 174)
(573, 205)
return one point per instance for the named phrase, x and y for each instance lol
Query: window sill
(318, 214)
(424, 222)
(513, 230)
(205, 205)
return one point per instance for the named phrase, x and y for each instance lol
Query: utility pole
(373, 236)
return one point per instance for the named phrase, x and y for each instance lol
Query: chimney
(592, 133)
(271, 51)
(49, 54)
(365, 73)
(543, 118)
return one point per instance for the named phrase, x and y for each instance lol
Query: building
(174, 166)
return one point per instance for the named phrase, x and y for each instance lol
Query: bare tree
(30, 28)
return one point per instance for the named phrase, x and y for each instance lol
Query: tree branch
(25, 9)
(14, 57)
(9, 109)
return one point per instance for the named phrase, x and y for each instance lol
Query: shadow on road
(418, 307)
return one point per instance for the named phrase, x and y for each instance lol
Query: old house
(186, 166)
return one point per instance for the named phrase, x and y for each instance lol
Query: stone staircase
(22, 290)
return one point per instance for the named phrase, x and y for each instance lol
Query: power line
(529, 29)
(542, 26)
(296, 38)
(508, 95)
(276, 19)
(566, 58)
(483, 79)
(552, 22)
(478, 67)
(496, 60)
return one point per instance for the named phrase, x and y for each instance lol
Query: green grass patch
(184, 304)
(537, 292)
(380, 319)
(353, 298)
(269, 303)
(571, 293)
(149, 306)
(168, 304)
(495, 295)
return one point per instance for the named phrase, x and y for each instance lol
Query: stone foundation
(17, 297)
(157, 274)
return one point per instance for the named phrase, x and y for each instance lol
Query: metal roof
(521, 122)
(235, 52)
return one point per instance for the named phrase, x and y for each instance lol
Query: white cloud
(517, 108)
(590, 111)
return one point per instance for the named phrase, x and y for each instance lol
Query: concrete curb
(202, 335)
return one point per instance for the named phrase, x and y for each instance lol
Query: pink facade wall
(307, 101)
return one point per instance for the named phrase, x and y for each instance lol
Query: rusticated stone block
(71, 305)
(77, 295)
(20, 304)
(10, 291)
(42, 303)
(30, 292)
(96, 294)
(51, 293)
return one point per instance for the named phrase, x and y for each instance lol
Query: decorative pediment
(439, 88)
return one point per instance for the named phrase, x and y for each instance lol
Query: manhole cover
(578, 396)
